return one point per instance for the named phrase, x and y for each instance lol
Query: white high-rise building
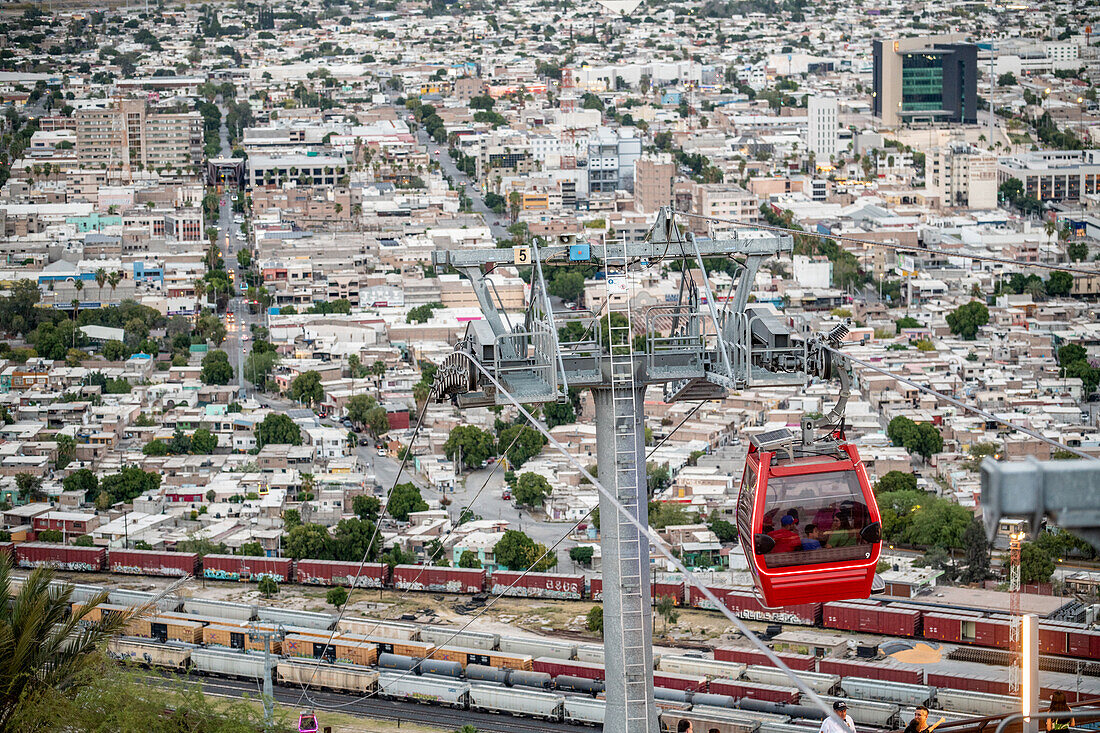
(822, 137)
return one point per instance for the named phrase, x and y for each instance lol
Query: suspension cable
(962, 405)
(891, 245)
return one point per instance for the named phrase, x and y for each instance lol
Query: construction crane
(693, 348)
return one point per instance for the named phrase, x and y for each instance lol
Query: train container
(985, 684)
(583, 711)
(802, 662)
(873, 670)
(545, 705)
(399, 686)
(481, 673)
(882, 691)
(592, 653)
(355, 651)
(712, 720)
(338, 677)
(975, 703)
(95, 614)
(714, 700)
(461, 656)
(8, 548)
(741, 688)
(746, 605)
(162, 629)
(820, 682)
(555, 667)
(770, 727)
(237, 637)
(397, 661)
(407, 647)
(226, 663)
(675, 681)
(454, 636)
(537, 647)
(61, 557)
(245, 567)
(538, 585)
(438, 580)
(802, 710)
(1053, 639)
(871, 618)
(524, 678)
(219, 609)
(870, 713)
(671, 695)
(742, 714)
(149, 653)
(373, 627)
(338, 572)
(572, 683)
(675, 591)
(709, 668)
(991, 632)
(137, 599)
(153, 562)
(441, 668)
(288, 617)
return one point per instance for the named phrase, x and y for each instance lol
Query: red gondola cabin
(808, 522)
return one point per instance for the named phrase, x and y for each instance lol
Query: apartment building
(126, 135)
(653, 176)
(961, 175)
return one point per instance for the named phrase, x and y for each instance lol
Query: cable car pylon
(695, 351)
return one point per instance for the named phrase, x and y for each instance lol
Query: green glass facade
(921, 82)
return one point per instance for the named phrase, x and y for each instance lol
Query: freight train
(884, 618)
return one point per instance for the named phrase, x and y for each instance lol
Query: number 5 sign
(521, 255)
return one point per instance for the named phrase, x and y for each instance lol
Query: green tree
(352, 538)
(66, 451)
(469, 559)
(307, 388)
(906, 322)
(155, 447)
(976, 546)
(310, 541)
(667, 513)
(896, 481)
(1036, 566)
(291, 518)
(267, 586)
(527, 445)
(559, 413)
(84, 481)
(1077, 251)
(216, 368)
(279, 429)
(515, 550)
(203, 442)
(725, 531)
(51, 535)
(405, 499)
(84, 540)
(666, 607)
(1059, 284)
(474, 444)
(336, 597)
(251, 549)
(594, 620)
(531, 489)
(367, 507)
(929, 441)
(359, 407)
(48, 649)
(581, 554)
(965, 320)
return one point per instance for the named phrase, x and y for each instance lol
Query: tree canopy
(531, 489)
(475, 445)
(965, 320)
(277, 428)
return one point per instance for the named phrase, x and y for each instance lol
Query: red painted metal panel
(945, 627)
(756, 691)
(153, 562)
(538, 585)
(804, 662)
(85, 559)
(439, 580)
(554, 667)
(870, 670)
(245, 567)
(336, 572)
(672, 681)
(1052, 640)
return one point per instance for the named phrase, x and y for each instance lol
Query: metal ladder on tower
(626, 480)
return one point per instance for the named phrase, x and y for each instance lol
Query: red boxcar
(153, 562)
(337, 572)
(746, 605)
(675, 591)
(804, 662)
(247, 567)
(538, 585)
(63, 557)
(871, 670)
(1053, 639)
(554, 667)
(945, 626)
(673, 681)
(771, 693)
(8, 548)
(871, 618)
(971, 682)
(439, 580)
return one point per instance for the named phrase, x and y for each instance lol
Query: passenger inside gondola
(834, 503)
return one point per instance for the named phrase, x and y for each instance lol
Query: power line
(896, 247)
(963, 405)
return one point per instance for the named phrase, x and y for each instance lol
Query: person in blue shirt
(812, 541)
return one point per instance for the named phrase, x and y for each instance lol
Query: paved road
(377, 708)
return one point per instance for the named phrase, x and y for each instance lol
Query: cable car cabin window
(815, 518)
(746, 500)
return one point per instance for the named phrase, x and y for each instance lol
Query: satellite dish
(620, 7)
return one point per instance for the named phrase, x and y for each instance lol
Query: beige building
(962, 176)
(653, 182)
(724, 201)
(127, 136)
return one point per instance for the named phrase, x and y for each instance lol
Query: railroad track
(372, 707)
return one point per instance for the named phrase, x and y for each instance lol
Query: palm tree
(200, 289)
(113, 280)
(42, 645)
(75, 303)
(79, 285)
(101, 280)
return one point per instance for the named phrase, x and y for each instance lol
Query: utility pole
(705, 354)
(269, 692)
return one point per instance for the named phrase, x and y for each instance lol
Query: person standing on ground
(830, 724)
